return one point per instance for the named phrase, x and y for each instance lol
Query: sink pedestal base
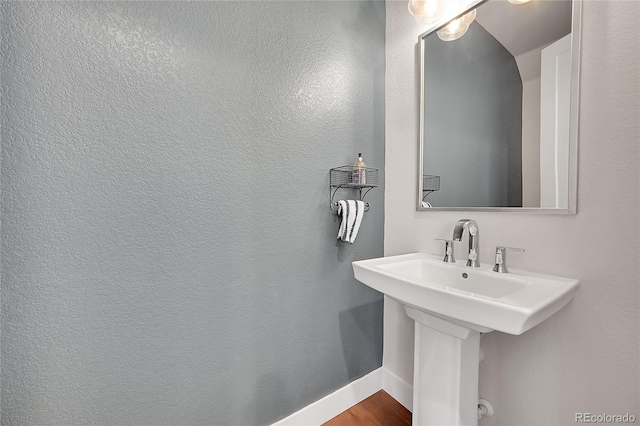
(445, 379)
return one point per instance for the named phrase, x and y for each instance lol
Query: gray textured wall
(473, 121)
(168, 252)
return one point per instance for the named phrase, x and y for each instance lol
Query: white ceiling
(523, 27)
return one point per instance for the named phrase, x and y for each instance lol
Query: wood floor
(380, 409)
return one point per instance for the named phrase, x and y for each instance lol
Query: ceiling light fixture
(518, 1)
(458, 27)
(426, 11)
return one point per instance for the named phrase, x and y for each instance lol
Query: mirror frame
(576, 31)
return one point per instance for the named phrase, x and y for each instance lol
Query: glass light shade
(458, 27)
(426, 11)
(469, 17)
(518, 1)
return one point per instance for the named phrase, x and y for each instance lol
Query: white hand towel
(351, 212)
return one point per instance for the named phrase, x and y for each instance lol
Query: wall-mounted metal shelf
(362, 179)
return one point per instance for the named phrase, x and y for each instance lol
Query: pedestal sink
(452, 304)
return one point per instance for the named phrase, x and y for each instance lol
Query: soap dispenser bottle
(359, 171)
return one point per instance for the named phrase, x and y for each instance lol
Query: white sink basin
(512, 303)
(452, 304)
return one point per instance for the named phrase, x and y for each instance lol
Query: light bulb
(426, 11)
(458, 27)
(454, 25)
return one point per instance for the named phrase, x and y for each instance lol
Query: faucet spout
(474, 238)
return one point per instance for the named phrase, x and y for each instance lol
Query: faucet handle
(448, 250)
(501, 258)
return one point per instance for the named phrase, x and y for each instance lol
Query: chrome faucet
(474, 237)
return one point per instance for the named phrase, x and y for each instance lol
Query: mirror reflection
(496, 109)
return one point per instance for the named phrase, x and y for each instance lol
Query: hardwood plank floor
(380, 409)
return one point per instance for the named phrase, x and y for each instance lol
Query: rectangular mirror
(498, 110)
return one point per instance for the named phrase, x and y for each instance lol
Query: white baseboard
(400, 390)
(346, 397)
